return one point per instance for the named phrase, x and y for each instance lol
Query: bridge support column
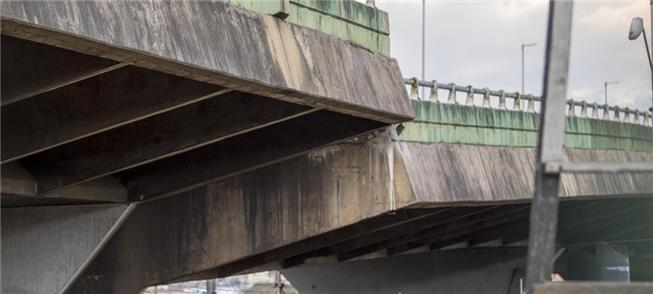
(45, 248)
(474, 270)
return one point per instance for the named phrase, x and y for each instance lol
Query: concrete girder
(93, 106)
(19, 188)
(414, 241)
(509, 228)
(58, 138)
(258, 219)
(242, 153)
(383, 241)
(455, 228)
(573, 219)
(30, 68)
(369, 237)
(453, 174)
(251, 220)
(161, 136)
(218, 43)
(603, 229)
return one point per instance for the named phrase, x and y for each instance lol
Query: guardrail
(602, 112)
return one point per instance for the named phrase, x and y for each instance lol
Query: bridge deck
(158, 95)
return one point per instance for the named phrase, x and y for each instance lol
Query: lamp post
(605, 87)
(637, 29)
(424, 41)
(523, 46)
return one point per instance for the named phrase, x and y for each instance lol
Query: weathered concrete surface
(486, 270)
(441, 173)
(460, 124)
(349, 20)
(185, 236)
(263, 218)
(464, 154)
(219, 43)
(54, 240)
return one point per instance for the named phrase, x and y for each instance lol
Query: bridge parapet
(607, 127)
(349, 20)
(575, 108)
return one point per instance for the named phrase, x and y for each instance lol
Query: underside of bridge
(154, 142)
(108, 108)
(331, 205)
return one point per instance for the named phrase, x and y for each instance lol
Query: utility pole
(523, 46)
(544, 207)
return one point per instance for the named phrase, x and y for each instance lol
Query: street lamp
(424, 41)
(522, 63)
(605, 85)
(636, 29)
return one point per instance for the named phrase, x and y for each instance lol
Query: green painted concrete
(449, 123)
(347, 19)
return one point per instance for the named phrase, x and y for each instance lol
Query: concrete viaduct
(154, 142)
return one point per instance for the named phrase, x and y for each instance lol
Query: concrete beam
(219, 43)
(603, 229)
(30, 68)
(515, 229)
(251, 220)
(410, 235)
(596, 212)
(371, 242)
(20, 189)
(242, 153)
(449, 174)
(45, 248)
(165, 135)
(574, 217)
(367, 238)
(449, 233)
(92, 106)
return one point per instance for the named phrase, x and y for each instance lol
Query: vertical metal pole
(648, 55)
(544, 209)
(522, 68)
(605, 89)
(423, 42)
(605, 92)
(523, 47)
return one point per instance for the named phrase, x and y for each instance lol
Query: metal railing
(598, 111)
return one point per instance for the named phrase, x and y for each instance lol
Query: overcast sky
(479, 43)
